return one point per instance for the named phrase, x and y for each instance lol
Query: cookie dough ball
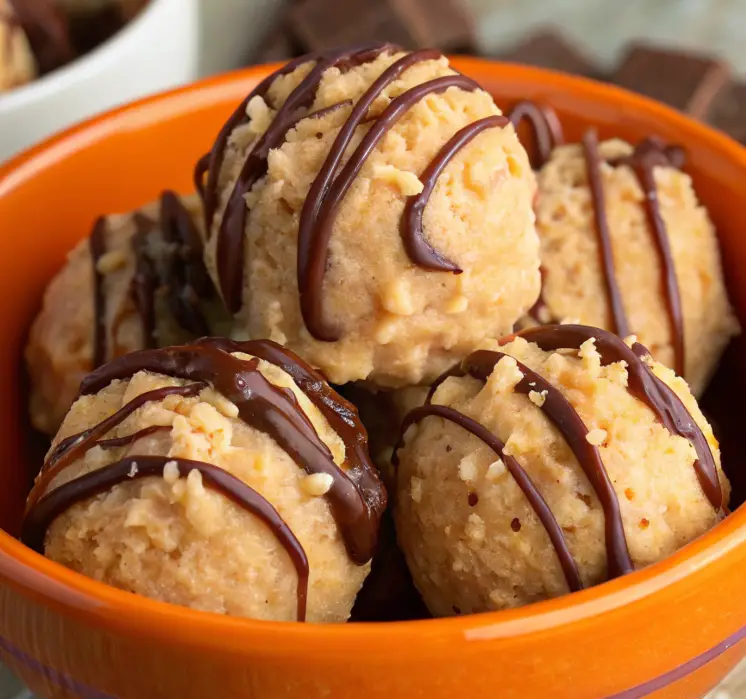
(239, 484)
(366, 294)
(543, 467)
(148, 287)
(575, 281)
(17, 64)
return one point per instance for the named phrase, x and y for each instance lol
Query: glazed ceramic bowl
(672, 630)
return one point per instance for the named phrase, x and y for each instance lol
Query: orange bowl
(671, 630)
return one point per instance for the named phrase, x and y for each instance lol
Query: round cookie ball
(576, 283)
(235, 484)
(353, 262)
(149, 287)
(17, 63)
(535, 472)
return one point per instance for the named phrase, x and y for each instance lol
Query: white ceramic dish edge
(156, 51)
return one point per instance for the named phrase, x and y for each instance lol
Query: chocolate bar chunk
(687, 81)
(549, 49)
(324, 24)
(278, 45)
(728, 113)
(47, 30)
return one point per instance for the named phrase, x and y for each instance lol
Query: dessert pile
(529, 334)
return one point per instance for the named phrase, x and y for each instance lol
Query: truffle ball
(386, 231)
(576, 283)
(137, 282)
(235, 484)
(543, 467)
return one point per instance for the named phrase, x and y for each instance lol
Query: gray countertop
(602, 27)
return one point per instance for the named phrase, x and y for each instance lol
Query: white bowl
(155, 51)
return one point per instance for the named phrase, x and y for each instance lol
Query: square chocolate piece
(688, 81)
(549, 49)
(728, 113)
(325, 24)
(277, 45)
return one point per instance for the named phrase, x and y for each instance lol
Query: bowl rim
(105, 606)
(81, 67)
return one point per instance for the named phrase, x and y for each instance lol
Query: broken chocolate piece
(728, 113)
(47, 31)
(688, 81)
(320, 24)
(549, 49)
(277, 45)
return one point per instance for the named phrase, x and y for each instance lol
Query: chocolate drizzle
(230, 243)
(595, 182)
(649, 154)
(145, 280)
(183, 275)
(520, 476)
(131, 438)
(356, 497)
(320, 207)
(75, 446)
(412, 233)
(97, 247)
(51, 506)
(642, 384)
(566, 419)
(645, 386)
(333, 180)
(544, 123)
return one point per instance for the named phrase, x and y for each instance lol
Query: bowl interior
(50, 196)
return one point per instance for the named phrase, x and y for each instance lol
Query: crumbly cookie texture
(174, 539)
(574, 285)
(17, 63)
(472, 540)
(399, 324)
(60, 349)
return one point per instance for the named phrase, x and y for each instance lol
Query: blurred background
(157, 44)
(56, 69)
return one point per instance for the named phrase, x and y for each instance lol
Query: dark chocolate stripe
(356, 508)
(595, 183)
(75, 446)
(534, 497)
(546, 127)
(231, 243)
(313, 242)
(97, 247)
(217, 153)
(39, 519)
(130, 438)
(411, 228)
(649, 154)
(341, 415)
(145, 279)
(185, 277)
(645, 386)
(325, 178)
(565, 418)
